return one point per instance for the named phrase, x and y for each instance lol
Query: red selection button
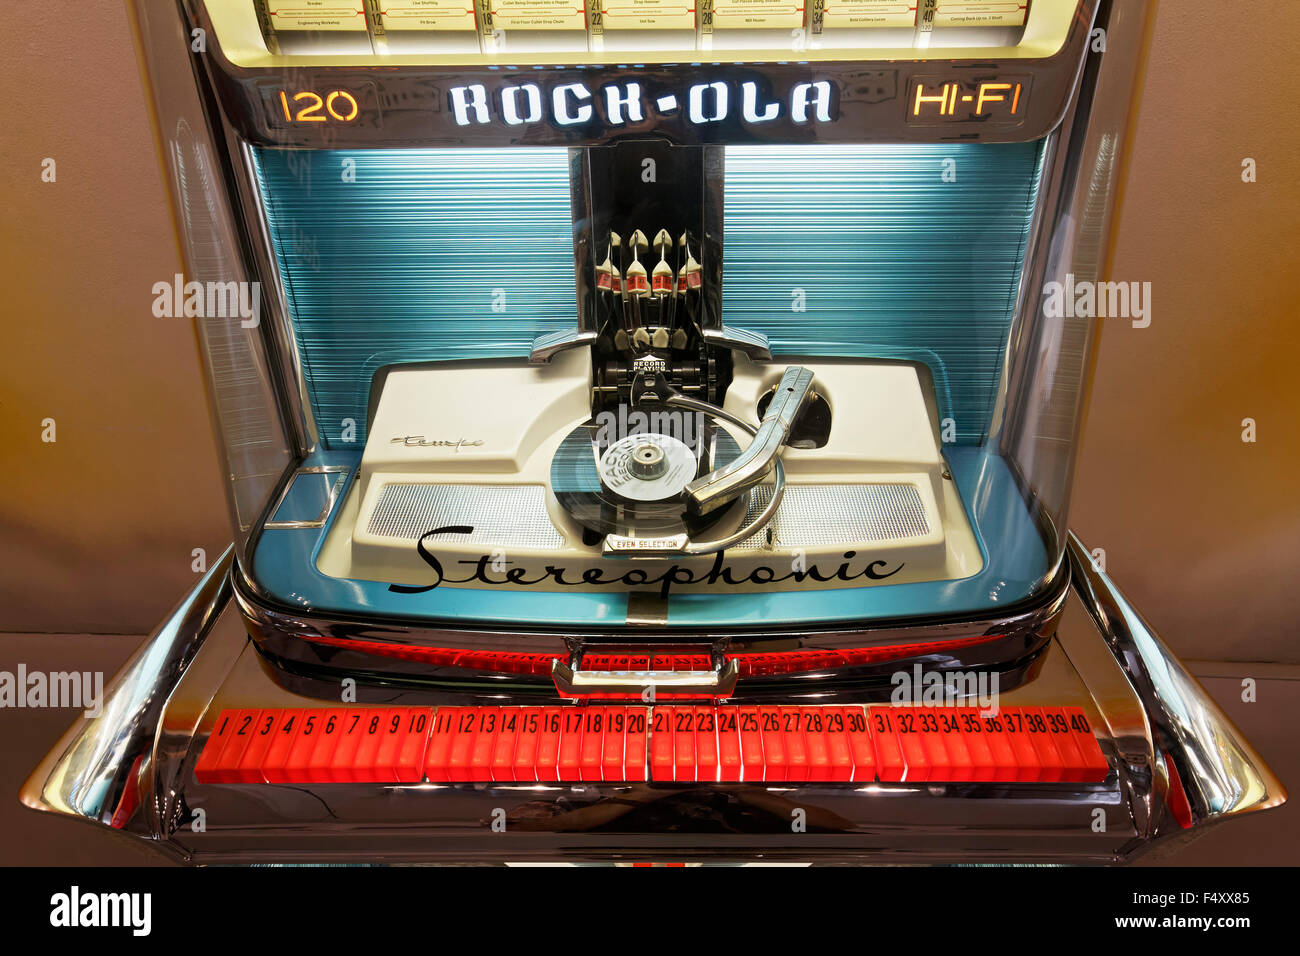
(678, 743)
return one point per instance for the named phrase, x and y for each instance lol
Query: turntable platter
(635, 486)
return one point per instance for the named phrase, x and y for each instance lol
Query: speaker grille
(817, 515)
(511, 516)
(515, 515)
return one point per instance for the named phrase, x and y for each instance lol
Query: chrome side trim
(87, 771)
(1221, 773)
(1048, 362)
(287, 366)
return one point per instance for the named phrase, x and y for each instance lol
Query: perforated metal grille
(501, 515)
(814, 515)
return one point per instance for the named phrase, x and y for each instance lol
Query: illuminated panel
(648, 14)
(686, 744)
(757, 14)
(999, 102)
(981, 13)
(659, 29)
(755, 664)
(538, 15)
(316, 15)
(869, 14)
(428, 15)
(310, 106)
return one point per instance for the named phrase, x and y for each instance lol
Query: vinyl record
(644, 474)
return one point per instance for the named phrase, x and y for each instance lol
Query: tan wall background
(1201, 530)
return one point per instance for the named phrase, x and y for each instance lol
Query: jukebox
(648, 435)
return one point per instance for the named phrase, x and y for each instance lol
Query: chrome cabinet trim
(298, 624)
(148, 728)
(287, 365)
(1220, 772)
(86, 772)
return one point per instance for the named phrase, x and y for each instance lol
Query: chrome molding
(717, 683)
(319, 521)
(324, 643)
(253, 443)
(1077, 199)
(288, 367)
(1221, 773)
(88, 770)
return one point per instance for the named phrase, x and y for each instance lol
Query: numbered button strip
(687, 744)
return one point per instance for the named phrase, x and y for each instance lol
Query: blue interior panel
(884, 251)
(888, 251)
(415, 255)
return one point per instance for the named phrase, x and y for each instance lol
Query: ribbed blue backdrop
(910, 252)
(415, 255)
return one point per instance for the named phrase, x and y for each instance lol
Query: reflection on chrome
(1221, 773)
(139, 745)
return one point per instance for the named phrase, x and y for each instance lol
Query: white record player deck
(470, 447)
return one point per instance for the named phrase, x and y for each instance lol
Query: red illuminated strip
(751, 664)
(684, 744)
(775, 663)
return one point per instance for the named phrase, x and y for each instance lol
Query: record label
(647, 467)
